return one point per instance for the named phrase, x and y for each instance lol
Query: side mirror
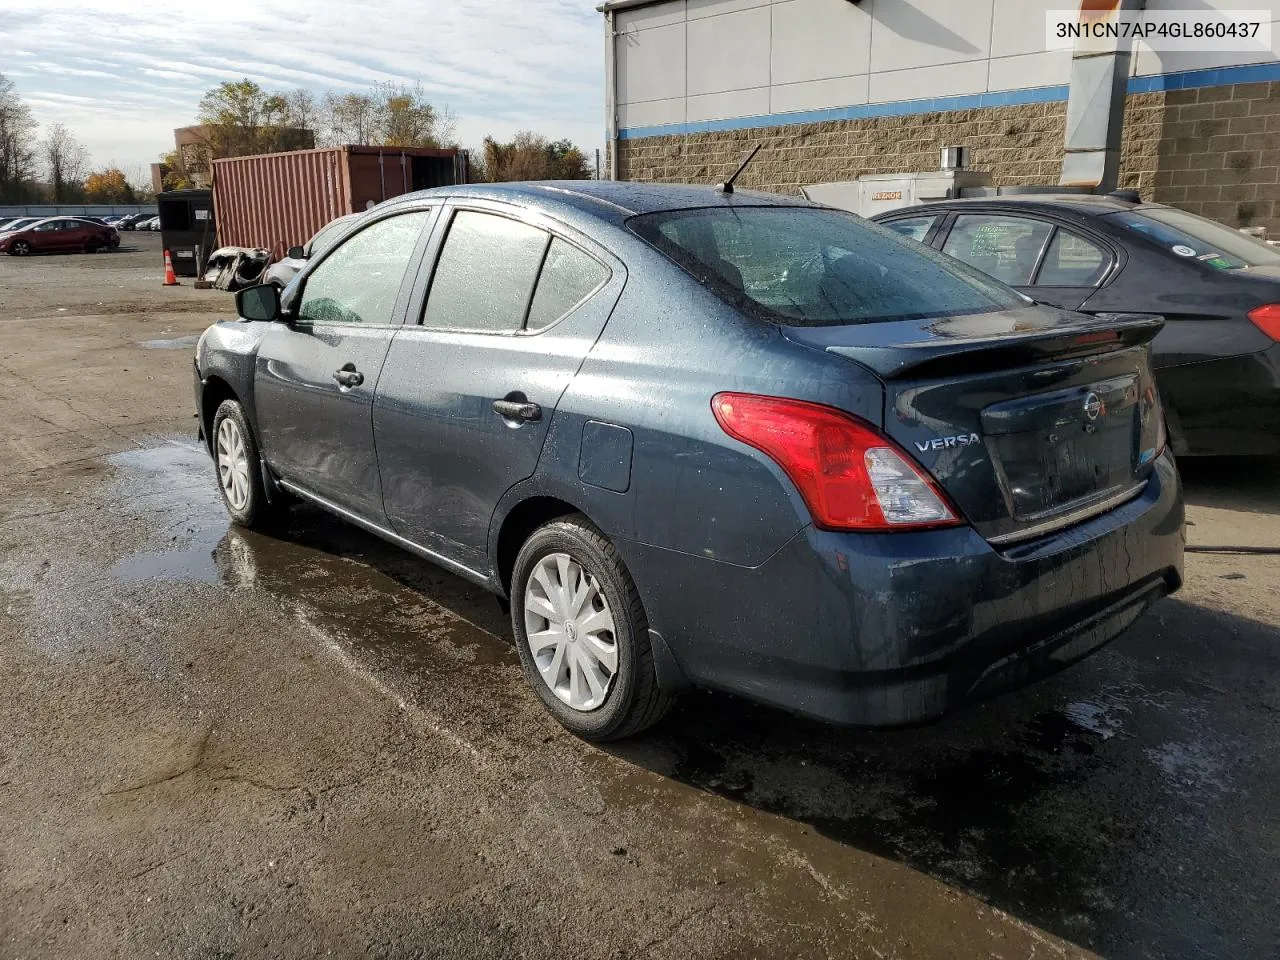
(296, 253)
(259, 303)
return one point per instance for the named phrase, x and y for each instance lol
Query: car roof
(1085, 204)
(612, 200)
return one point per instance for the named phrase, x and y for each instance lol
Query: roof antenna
(727, 186)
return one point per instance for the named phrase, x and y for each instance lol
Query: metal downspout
(1095, 105)
(611, 90)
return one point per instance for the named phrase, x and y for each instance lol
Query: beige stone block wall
(1214, 151)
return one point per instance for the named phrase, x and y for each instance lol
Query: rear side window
(1195, 238)
(1073, 261)
(485, 274)
(1007, 248)
(917, 228)
(814, 266)
(568, 277)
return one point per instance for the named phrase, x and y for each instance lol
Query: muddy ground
(216, 744)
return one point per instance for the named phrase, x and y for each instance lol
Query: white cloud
(123, 73)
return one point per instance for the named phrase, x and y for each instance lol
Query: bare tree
(65, 162)
(300, 110)
(351, 118)
(17, 144)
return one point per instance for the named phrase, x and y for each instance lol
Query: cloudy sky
(123, 73)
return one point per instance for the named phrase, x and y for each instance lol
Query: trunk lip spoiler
(1066, 341)
(892, 354)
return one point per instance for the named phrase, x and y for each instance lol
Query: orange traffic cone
(170, 278)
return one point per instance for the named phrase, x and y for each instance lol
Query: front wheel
(235, 454)
(20, 248)
(582, 634)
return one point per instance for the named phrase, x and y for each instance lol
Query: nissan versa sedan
(1217, 360)
(713, 439)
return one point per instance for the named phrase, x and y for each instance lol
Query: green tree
(240, 119)
(173, 173)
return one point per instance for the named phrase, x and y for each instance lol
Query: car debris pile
(233, 268)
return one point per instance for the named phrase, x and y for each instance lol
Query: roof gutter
(610, 5)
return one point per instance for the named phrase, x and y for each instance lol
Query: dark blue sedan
(733, 441)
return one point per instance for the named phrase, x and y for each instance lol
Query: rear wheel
(582, 634)
(20, 248)
(235, 455)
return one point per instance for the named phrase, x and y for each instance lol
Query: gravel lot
(219, 744)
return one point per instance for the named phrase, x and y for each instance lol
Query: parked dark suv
(730, 440)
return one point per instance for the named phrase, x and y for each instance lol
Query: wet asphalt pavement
(215, 743)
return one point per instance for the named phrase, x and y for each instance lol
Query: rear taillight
(1267, 319)
(850, 475)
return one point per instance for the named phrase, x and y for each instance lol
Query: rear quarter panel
(669, 347)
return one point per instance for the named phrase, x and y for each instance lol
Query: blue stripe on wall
(1219, 77)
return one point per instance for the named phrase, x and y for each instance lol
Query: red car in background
(59, 235)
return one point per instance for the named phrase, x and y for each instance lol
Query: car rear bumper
(1225, 407)
(892, 629)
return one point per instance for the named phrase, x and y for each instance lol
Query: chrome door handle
(348, 376)
(514, 410)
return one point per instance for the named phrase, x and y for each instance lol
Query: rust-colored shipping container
(278, 200)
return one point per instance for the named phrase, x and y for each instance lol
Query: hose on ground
(1252, 551)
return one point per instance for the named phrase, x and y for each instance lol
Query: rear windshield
(807, 266)
(1195, 238)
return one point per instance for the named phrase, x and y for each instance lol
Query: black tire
(92, 247)
(20, 248)
(634, 701)
(257, 512)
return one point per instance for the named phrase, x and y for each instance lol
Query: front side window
(917, 228)
(45, 227)
(485, 275)
(1073, 261)
(814, 266)
(359, 282)
(1195, 238)
(1007, 248)
(326, 236)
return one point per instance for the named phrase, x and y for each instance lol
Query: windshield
(810, 266)
(1195, 238)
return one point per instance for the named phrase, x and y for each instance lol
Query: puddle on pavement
(374, 595)
(178, 343)
(1053, 802)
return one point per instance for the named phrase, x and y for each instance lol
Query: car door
(43, 237)
(1004, 246)
(470, 387)
(1043, 259)
(315, 376)
(75, 234)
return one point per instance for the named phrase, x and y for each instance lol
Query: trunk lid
(1030, 419)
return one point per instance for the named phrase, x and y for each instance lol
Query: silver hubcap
(570, 631)
(233, 464)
